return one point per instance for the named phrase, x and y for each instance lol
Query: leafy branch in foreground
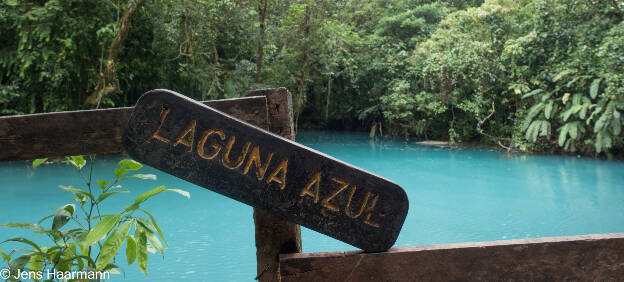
(82, 238)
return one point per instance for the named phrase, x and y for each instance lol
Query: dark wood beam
(577, 258)
(58, 134)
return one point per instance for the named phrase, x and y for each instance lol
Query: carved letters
(218, 152)
(212, 140)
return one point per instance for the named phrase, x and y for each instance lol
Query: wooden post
(275, 236)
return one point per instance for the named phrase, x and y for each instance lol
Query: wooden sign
(192, 141)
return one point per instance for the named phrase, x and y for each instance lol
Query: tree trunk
(303, 85)
(215, 76)
(262, 10)
(327, 101)
(107, 81)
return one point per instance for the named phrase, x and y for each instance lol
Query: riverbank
(554, 151)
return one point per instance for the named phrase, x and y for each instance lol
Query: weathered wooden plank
(274, 235)
(597, 257)
(25, 137)
(175, 134)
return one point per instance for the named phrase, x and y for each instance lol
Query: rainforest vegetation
(525, 75)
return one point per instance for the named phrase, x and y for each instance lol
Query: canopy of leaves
(461, 70)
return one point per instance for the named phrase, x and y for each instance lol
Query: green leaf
(534, 92)
(156, 226)
(113, 269)
(607, 140)
(81, 199)
(103, 196)
(24, 225)
(593, 114)
(141, 251)
(112, 245)
(125, 166)
(574, 130)
(603, 141)
(20, 262)
(77, 234)
(544, 128)
(43, 219)
(77, 192)
(563, 73)
(142, 176)
(181, 192)
(548, 109)
(5, 257)
(63, 215)
(64, 263)
(151, 236)
(119, 172)
(103, 184)
(36, 263)
(567, 145)
(616, 124)
(132, 207)
(546, 96)
(574, 80)
(106, 224)
(593, 89)
(53, 253)
(533, 131)
(129, 164)
(131, 249)
(583, 112)
(143, 197)
(576, 108)
(38, 162)
(70, 208)
(25, 241)
(71, 189)
(602, 121)
(563, 132)
(150, 248)
(77, 161)
(533, 111)
(76, 258)
(576, 99)
(565, 115)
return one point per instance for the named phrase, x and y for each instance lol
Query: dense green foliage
(84, 237)
(529, 75)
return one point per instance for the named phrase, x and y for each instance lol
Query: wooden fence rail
(26, 137)
(575, 258)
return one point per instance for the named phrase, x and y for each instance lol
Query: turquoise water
(455, 196)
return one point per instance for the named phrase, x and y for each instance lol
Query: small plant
(88, 242)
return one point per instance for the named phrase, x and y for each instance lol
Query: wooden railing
(26, 137)
(278, 242)
(576, 258)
